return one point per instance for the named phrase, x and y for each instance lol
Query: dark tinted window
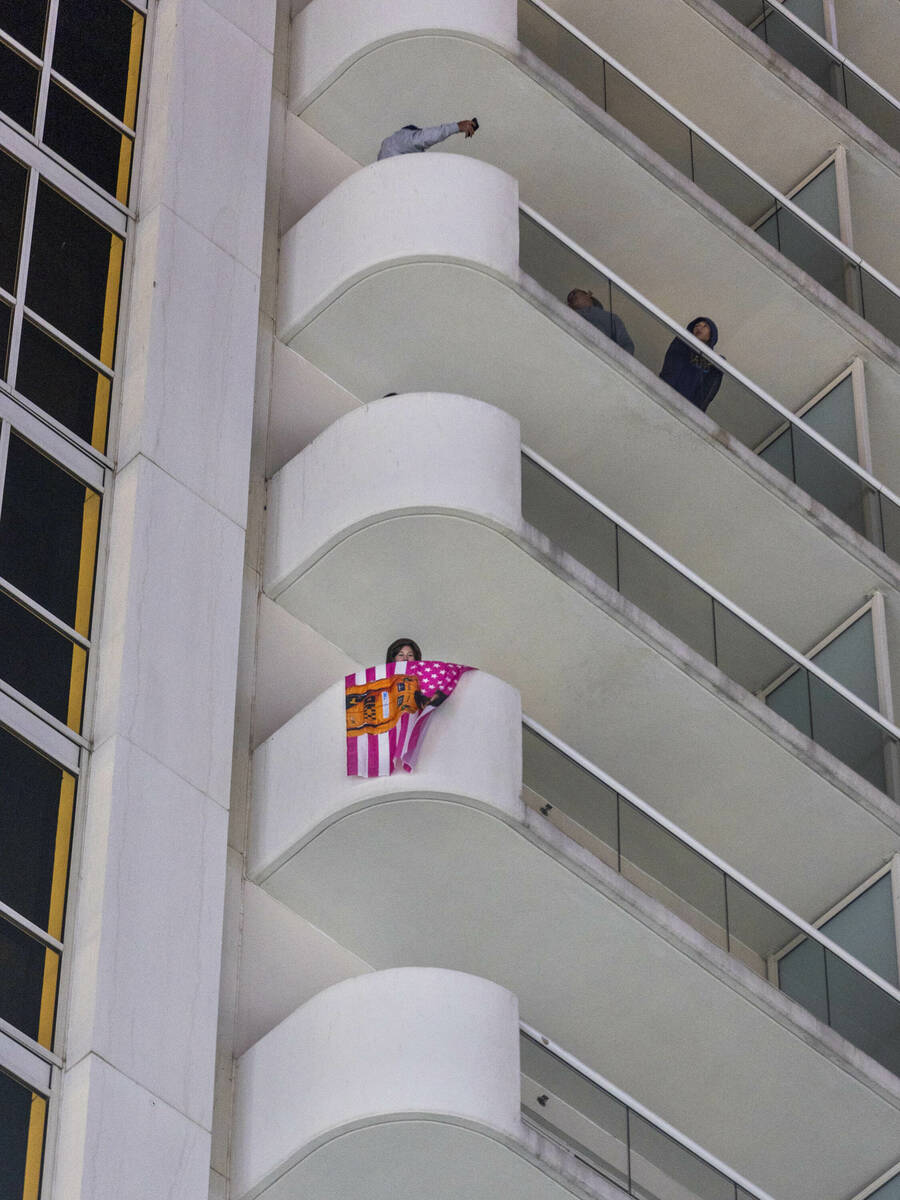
(38, 661)
(23, 962)
(86, 140)
(73, 259)
(63, 385)
(36, 801)
(18, 1108)
(44, 519)
(25, 21)
(93, 49)
(13, 180)
(18, 87)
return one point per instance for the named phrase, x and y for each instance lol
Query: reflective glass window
(42, 663)
(73, 280)
(25, 20)
(48, 534)
(63, 384)
(29, 974)
(13, 181)
(87, 141)
(97, 47)
(23, 1115)
(19, 81)
(36, 805)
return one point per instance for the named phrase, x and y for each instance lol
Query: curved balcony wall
(390, 1078)
(406, 870)
(407, 275)
(599, 183)
(445, 551)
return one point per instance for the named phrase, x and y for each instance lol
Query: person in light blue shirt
(413, 140)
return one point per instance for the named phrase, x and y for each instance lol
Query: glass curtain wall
(69, 76)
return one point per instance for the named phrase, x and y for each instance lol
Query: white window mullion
(22, 277)
(44, 90)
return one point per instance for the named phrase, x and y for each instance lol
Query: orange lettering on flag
(377, 707)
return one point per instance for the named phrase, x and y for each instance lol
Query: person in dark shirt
(687, 371)
(588, 306)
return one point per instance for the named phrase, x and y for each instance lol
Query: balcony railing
(744, 409)
(810, 53)
(703, 618)
(714, 169)
(726, 907)
(614, 1134)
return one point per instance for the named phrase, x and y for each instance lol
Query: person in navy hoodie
(687, 371)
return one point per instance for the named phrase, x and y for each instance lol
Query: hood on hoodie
(713, 329)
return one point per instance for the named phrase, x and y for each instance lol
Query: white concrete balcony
(406, 1083)
(410, 511)
(408, 277)
(357, 80)
(447, 867)
(745, 90)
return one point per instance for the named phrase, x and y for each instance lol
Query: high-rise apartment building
(632, 925)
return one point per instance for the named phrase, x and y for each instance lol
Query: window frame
(892, 868)
(48, 74)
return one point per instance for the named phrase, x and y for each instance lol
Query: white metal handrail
(777, 196)
(724, 366)
(801, 660)
(650, 1117)
(711, 857)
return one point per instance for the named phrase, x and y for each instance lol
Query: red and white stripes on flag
(388, 709)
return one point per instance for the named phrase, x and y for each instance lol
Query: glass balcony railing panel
(667, 868)
(720, 178)
(872, 108)
(863, 1013)
(744, 654)
(888, 524)
(571, 1108)
(756, 930)
(666, 595)
(794, 44)
(880, 305)
(810, 251)
(563, 53)
(662, 1169)
(851, 736)
(566, 786)
(570, 522)
(827, 480)
(645, 118)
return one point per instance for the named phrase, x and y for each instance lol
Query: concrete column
(145, 936)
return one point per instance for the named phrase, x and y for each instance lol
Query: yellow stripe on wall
(130, 112)
(34, 1152)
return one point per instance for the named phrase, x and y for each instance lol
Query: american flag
(387, 710)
